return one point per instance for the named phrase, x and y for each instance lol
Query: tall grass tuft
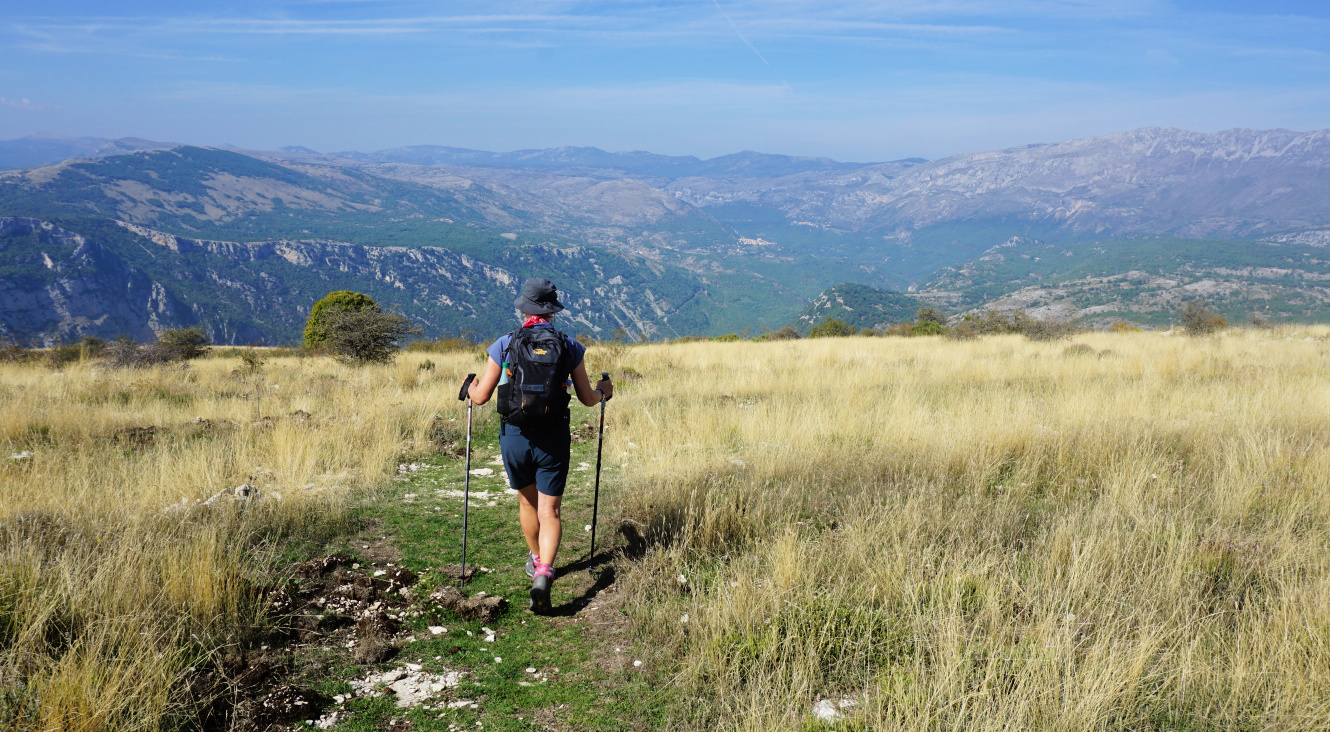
(984, 534)
(114, 581)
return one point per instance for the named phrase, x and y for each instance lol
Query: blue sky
(854, 80)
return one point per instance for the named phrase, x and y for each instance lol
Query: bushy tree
(831, 328)
(184, 343)
(316, 329)
(366, 335)
(930, 314)
(1198, 319)
(993, 322)
(783, 333)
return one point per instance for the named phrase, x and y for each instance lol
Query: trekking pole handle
(604, 376)
(466, 388)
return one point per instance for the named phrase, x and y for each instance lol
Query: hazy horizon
(848, 81)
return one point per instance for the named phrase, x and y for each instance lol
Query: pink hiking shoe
(540, 588)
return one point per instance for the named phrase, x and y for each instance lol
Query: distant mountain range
(669, 245)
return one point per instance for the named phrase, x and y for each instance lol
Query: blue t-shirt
(576, 351)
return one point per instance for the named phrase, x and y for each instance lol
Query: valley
(1121, 227)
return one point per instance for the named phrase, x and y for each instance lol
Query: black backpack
(531, 392)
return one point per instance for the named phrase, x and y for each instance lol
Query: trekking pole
(600, 444)
(465, 394)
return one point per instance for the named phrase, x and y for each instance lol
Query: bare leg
(528, 516)
(551, 526)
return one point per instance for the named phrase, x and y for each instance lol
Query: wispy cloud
(746, 42)
(27, 105)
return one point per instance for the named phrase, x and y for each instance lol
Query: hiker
(532, 368)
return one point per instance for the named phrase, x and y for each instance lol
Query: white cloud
(24, 104)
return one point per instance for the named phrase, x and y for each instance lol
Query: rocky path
(375, 633)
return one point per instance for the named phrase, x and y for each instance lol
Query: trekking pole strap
(604, 376)
(465, 392)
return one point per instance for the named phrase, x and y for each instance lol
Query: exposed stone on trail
(283, 704)
(315, 568)
(480, 606)
(25, 455)
(410, 684)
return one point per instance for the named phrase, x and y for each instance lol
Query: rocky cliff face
(59, 284)
(77, 287)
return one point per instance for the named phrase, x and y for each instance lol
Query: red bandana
(535, 320)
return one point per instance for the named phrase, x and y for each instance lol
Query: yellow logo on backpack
(539, 351)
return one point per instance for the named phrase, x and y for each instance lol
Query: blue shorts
(539, 457)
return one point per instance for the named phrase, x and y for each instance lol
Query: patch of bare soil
(331, 605)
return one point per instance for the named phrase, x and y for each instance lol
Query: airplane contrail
(751, 47)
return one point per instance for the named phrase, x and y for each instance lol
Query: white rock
(498, 659)
(826, 711)
(588, 528)
(636, 664)
(483, 472)
(530, 670)
(437, 629)
(684, 619)
(25, 455)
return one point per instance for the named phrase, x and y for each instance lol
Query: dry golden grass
(993, 534)
(985, 535)
(106, 596)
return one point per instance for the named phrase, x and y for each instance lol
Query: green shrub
(930, 314)
(184, 343)
(1121, 327)
(366, 335)
(1198, 319)
(1078, 349)
(727, 338)
(783, 333)
(316, 329)
(927, 328)
(994, 322)
(831, 328)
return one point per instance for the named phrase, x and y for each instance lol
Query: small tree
(1198, 319)
(316, 329)
(783, 333)
(831, 328)
(930, 314)
(366, 335)
(183, 343)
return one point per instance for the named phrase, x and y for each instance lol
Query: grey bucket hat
(539, 297)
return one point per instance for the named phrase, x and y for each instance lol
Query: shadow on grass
(604, 578)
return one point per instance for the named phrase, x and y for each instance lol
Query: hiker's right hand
(606, 389)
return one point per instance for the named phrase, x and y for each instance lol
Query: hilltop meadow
(1112, 531)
